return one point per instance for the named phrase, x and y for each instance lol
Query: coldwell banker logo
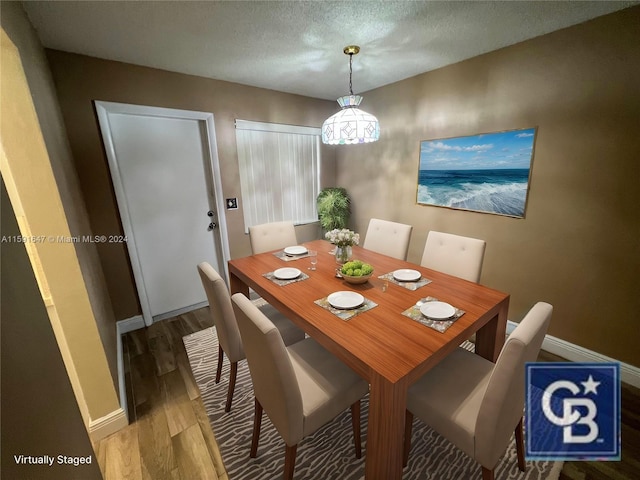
(573, 411)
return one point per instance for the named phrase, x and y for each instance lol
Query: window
(279, 172)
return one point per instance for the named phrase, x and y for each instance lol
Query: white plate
(295, 250)
(407, 275)
(287, 273)
(345, 299)
(437, 310)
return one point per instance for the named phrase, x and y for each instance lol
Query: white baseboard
(179, 311)
(122, 327)
(130, 324)
(110, 423)
(575, 353)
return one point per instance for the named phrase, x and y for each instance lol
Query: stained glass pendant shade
(350, 125)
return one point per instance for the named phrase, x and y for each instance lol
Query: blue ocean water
(501, 191)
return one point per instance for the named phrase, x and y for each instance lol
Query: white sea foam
(508, 199)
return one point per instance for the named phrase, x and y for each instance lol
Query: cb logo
(573, 411)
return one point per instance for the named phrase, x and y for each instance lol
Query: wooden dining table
(388, 349)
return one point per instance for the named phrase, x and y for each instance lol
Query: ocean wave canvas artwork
(484, 173)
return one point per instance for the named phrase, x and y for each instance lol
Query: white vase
(343, 254)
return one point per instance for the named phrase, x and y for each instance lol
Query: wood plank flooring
(170, 438)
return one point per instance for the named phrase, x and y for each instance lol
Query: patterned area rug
(328, 453)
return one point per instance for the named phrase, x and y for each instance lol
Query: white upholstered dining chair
(271, 236)
(475, 403)
(454, 254)
(229, 340)
(301, 387)
(388, 238)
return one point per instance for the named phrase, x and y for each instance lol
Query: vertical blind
(279, 172)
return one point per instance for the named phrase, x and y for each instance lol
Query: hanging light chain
(350, 73)
(351, 50)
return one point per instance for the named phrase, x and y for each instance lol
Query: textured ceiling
(296, 46)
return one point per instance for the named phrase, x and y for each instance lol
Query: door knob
(212, 225)
(210, 213)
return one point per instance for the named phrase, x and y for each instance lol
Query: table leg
(387, 405)
(237, 286)
(490, 338)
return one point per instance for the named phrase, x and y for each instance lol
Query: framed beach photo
(486, 173)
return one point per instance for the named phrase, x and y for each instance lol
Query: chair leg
(289, 461)
(408, 426)
(520, 446)
(257, 422)
(487, 474)
(220, 359)
(232, 385)
(355, 423)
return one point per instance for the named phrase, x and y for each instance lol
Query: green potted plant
(334, 208)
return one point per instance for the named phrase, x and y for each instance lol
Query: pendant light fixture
(350, 125)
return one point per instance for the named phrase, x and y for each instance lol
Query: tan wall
(41, 201)
(39, 411)
(80, 80)
(36, 68)
(578, 246)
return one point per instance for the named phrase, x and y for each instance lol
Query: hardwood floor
(170, 438)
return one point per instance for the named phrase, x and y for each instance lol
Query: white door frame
(103, 110)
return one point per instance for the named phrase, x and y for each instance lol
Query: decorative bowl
(356, 280)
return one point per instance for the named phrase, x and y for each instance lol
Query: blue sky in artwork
(511, 149)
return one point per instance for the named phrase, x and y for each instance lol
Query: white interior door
(166, 177)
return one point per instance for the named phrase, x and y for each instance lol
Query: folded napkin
(288, 258)
(344, 314)
(282, 283)
(439, 325)
(408, 285)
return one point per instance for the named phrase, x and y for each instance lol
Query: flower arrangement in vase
(343, 239)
